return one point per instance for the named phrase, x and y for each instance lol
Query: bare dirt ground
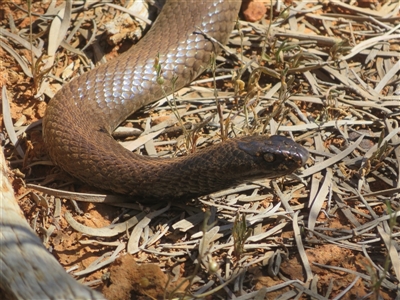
(326, 73)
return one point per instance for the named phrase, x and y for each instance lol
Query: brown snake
(77, 131)
(81, 117)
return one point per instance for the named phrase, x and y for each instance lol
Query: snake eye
(269, 157)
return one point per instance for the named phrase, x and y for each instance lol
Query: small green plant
(213, 67)
(240, 234)
(190, 137)
(36, 64)
(340, 48)
(376, 159)
(376, 276)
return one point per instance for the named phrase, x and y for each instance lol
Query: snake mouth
(303, 154)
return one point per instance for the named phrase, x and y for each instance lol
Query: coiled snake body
(80, 118)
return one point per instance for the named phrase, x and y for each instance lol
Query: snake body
(77, 131)
(80, 118)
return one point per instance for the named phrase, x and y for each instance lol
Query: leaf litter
(319, 73)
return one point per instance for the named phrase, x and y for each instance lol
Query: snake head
(274, 156)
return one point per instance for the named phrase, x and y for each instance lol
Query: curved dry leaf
(133, 243)
(98, 264)
(330, 161)
(388, 76)
(58, 30)
(27, 45)
(8, 124)
(369, 43)
(318, 201)
(109, 231)
(18, 58)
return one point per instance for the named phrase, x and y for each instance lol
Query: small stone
(253, 10)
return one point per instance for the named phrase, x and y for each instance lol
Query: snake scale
(81, 117)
